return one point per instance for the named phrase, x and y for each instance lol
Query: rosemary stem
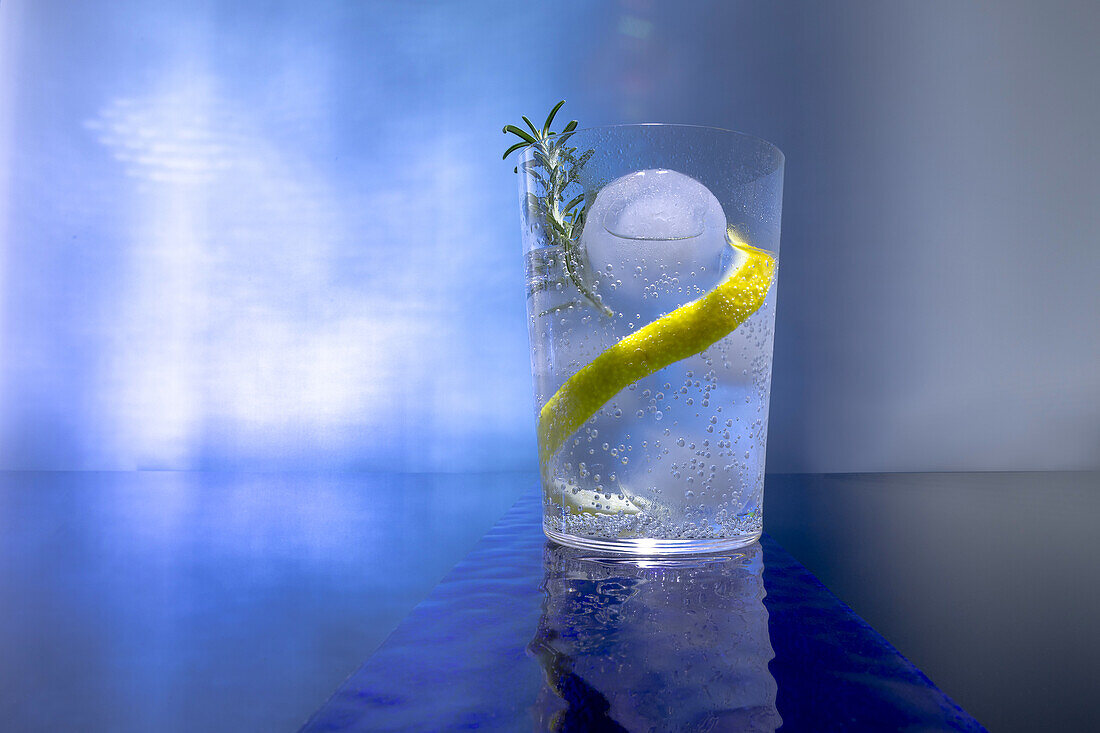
(560, 225)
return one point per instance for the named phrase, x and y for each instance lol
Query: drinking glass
(651, 261)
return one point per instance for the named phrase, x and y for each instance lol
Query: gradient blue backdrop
(279, 235)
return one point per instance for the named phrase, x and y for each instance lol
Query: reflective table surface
(527, 635)
(172, 602)
(219, 602)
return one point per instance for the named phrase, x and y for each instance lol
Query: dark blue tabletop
(524, 634)
(140, 601)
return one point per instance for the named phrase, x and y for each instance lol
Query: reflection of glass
(651, 259)
(662, 645)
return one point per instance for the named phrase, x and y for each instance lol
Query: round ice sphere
(655, 239)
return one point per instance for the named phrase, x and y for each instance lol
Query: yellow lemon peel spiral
(684, 332)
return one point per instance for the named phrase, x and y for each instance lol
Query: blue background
(279, 235)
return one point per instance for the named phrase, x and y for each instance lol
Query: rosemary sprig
(553, 167)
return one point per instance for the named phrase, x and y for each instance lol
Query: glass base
(651, 547)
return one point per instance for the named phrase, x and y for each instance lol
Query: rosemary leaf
(550, 118)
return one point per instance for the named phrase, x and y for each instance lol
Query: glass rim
(748, 136)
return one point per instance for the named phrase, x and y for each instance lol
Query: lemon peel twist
(684, 332)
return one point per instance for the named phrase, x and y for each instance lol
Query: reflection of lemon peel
(684, 332)
(587, 501)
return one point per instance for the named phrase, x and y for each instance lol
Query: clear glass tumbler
(651, 254)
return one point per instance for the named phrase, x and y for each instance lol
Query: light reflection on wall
(279, 292)
(233, 316)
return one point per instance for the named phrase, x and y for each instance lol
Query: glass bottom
(651, 547)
